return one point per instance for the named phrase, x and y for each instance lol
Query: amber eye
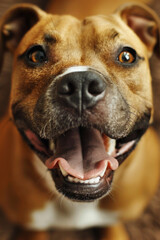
(127, 57)
(36, 55)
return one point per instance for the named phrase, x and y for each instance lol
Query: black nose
(81, 90)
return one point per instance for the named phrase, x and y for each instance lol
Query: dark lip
(82, 192)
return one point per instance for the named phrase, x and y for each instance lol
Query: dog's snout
(81, 90)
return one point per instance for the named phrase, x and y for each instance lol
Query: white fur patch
(74, 69)
(70, 215)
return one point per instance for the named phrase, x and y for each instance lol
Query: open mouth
(82, 160)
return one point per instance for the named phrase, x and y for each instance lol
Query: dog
(78, 127)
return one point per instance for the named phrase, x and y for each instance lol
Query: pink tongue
(81, 153)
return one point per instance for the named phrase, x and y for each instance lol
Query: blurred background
(147, 227)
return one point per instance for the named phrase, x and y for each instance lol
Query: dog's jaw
(91, 178)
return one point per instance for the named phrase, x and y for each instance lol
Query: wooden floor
(147, 227)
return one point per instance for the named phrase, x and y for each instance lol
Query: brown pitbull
(76, 146)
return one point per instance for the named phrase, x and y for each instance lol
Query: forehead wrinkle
(102, 26)
(113, 34)
(49, 38)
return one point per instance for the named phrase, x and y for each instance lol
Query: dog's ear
(15, 23)
(145, 23)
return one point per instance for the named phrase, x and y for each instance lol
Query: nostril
(96, 87)
(66, 89)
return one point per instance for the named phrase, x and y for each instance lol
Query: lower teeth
(88, 181)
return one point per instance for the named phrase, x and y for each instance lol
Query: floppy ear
(15, 23)
(145, 23)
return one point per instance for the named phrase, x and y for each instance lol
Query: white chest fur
(67, 215)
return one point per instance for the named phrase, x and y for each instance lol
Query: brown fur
(137, 178)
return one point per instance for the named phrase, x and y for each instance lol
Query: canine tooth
(112, 145)
(102, 173)
(51, 145)
(64, 173)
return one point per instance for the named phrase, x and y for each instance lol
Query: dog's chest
(69, 215)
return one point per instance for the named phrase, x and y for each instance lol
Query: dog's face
(81, 91)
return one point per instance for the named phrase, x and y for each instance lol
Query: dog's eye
(127, 56)
(36, 55)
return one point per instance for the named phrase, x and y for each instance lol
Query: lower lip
(79, 191)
